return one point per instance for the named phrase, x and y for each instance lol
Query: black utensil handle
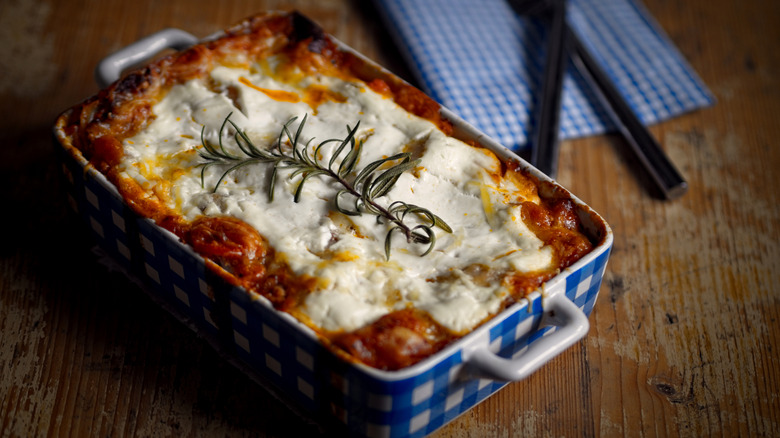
(546, 140)
(663, 173)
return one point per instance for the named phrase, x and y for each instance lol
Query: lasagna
(328, 187)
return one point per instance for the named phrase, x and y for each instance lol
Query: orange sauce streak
(278, 95)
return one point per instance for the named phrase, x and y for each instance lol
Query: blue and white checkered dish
(285, 355)
(484, 62)
(290, 360)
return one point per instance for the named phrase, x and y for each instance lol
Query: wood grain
(684, 338)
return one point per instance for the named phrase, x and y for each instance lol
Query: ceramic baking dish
(287, 356)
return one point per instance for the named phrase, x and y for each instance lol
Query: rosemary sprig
(364, 187)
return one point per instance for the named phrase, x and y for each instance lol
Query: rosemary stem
(364, 185)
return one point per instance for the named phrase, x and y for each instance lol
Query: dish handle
(572, 325)
(110, 68)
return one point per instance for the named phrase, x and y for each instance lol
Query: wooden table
(684, 338)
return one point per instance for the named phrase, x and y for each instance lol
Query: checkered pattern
(484, 62)
(177, 274)
(285, 355)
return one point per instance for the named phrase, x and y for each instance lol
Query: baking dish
(412, 401)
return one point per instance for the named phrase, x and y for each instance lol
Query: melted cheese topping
(357, 285)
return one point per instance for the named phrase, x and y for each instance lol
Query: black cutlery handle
(546, 139)
(663, 173)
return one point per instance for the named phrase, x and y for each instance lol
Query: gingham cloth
(485, 62)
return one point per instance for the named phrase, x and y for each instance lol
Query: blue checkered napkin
(484, 62)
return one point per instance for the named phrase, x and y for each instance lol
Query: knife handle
(546, 138)
(663, 173)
